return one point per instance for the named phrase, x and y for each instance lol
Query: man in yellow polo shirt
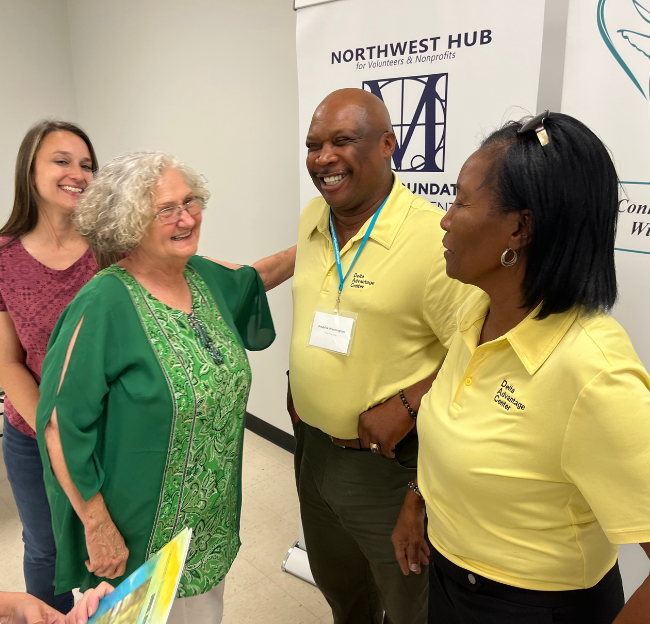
(374, 312)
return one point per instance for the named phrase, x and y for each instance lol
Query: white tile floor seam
(257, 591)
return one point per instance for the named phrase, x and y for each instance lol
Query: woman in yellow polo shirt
(534, 454)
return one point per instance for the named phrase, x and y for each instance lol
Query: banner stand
(296, 562)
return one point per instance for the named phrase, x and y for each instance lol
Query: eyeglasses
(537, 124)
(173, 213)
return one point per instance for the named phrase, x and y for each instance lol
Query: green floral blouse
(151, 414)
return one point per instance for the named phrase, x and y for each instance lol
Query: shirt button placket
(467, 380)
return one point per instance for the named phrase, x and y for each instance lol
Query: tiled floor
(257, 591)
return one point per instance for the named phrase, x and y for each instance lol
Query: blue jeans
(25, 475)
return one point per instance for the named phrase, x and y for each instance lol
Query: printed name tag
(333, 332)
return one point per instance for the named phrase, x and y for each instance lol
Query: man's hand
(295, 419)
(385, 424)
(411, 549)
(106, 549)
(88, 604)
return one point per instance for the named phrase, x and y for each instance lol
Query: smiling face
(62, 171)
(476, 234)
(350, 142)
(174, 241)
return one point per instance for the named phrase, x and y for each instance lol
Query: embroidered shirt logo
(359, 281)
(505, 397)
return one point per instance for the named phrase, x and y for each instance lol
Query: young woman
(43, 264)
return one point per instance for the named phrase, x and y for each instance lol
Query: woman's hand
(411, 549)
(88, 604)
(25, 609)
(107, 551)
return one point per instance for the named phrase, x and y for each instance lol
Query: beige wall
(35, 77)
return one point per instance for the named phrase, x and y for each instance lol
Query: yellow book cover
(146, 597)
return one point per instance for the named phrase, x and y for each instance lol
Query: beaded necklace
(206, 341)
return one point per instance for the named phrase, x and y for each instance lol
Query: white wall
(214, 83)
(35, 77)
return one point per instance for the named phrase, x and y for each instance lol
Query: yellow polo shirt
(406, 305)
(535, 449)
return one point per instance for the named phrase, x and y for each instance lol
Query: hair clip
(537, 124)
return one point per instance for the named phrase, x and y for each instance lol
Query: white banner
(449, 72)
(606, 83)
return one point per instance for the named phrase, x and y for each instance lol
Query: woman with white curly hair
(145, 384)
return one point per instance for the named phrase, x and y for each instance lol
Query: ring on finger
(375, 448)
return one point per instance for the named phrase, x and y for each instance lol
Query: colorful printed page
(146, 597)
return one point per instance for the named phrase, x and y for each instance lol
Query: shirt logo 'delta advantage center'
(359, 281)
(505, 397)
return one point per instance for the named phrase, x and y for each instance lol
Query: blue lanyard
(337, 253)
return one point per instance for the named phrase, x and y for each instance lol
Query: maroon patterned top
(35, 295)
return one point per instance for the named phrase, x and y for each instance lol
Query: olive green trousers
(349, 503)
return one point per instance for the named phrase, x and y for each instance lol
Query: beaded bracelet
(416, 489)
(412, 412)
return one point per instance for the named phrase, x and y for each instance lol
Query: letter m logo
(418, 110)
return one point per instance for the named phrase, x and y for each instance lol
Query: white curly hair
(115, 210)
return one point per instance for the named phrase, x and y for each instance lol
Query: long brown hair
(24, 215)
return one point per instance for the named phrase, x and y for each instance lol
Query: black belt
(354, 443)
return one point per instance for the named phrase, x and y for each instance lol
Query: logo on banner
(625, 28)
(633, 232)
(418, 110)
(630, 45)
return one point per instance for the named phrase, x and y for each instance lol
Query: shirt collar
(388, 223)
(533, 341)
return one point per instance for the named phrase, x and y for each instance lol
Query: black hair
(570, 187)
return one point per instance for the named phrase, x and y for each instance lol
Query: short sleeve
(443, 297)
(242, 292)
(606, 452)
(3, 305)
(80, 400)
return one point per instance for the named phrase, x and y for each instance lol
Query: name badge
(333, 330)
